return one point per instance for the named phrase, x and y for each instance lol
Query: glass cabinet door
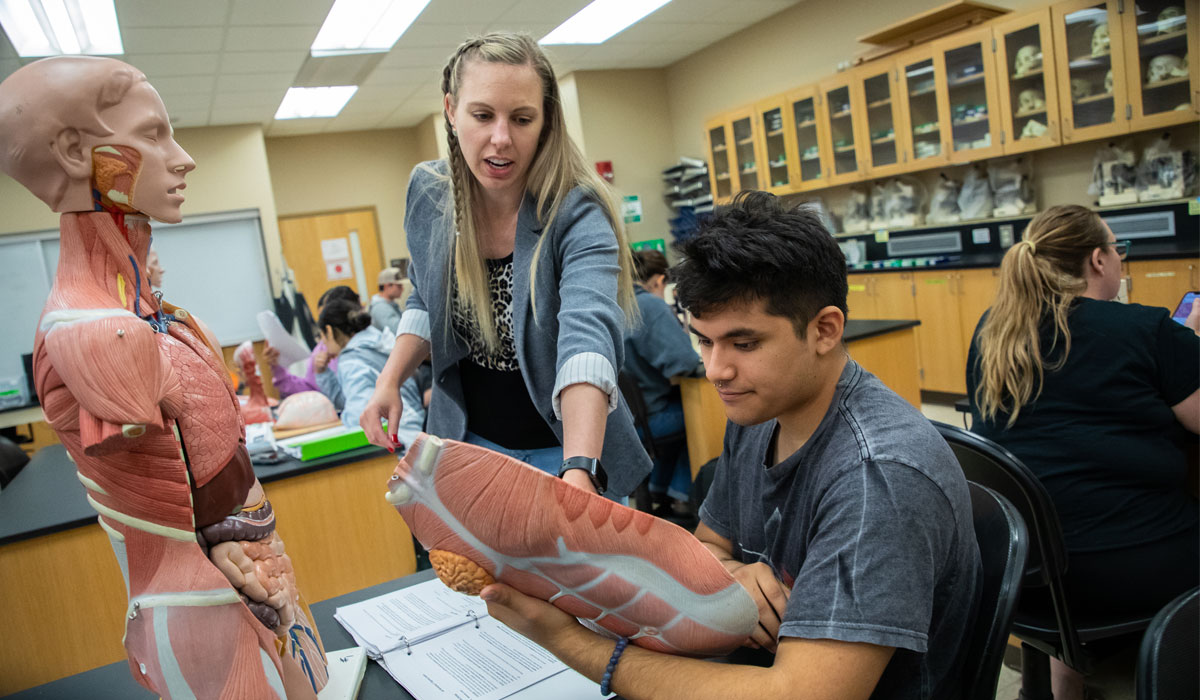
(719, 174)
(776, 146)
(838, 113)
(1027, 86)
(1091, 75)
(967, 100)
(808, 172)
(919, 77)
(745, 159)
(885, 152)
(1160, 55)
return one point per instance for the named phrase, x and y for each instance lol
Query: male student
(385, 311)
(835, 504)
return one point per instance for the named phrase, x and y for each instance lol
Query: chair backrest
(1003, 546)
(1167, 668)
(986, 463)
(637, 406)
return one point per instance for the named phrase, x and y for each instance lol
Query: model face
(498, 118)
(150, 166)
(154, 269)
(761, 369)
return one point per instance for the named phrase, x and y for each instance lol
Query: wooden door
(859, 302)
(1159, 95)
(1027, 86)
(967, 100)
(1162, 282)
(893, 293)
(313, 246)
(719, 172)
(939, 337)
(1093, 106)
(776, 145)
(810, 170)
(977, 293)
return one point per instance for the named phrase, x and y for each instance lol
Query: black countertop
(860, 329)
(46, 496)
(1139, 250)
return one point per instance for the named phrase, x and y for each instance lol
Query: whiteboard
(216, 268)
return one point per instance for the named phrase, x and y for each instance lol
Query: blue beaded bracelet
(606, 681)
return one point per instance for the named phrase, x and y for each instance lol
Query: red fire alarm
(604, 169)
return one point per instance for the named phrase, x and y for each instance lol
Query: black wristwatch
(591, 465)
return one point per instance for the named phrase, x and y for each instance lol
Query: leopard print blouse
(500, 283)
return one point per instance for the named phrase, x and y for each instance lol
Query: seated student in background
(385, 306)
(1100, 400)
(321, 367)
(362, 350)
(836, 504)
(657, 349)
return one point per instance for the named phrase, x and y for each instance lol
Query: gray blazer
(577, 334)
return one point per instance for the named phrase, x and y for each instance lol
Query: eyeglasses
(1122, 248)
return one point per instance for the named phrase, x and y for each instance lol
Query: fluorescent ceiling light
(365, 26)
(600, 20)
(313, 102)
(56, 27)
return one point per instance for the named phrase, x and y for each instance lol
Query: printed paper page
(413, 613)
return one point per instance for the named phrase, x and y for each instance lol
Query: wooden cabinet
(949, 304)
(1162, 282)
(919, 78)
(743, 154)
(840, 112)
(1162, 66)
(977, 292)
(1090, 60)
(883, 136)
(808, 170)
(881, 295)
(720, 172)
(967, 99)
(1027, 84)
(776, 145)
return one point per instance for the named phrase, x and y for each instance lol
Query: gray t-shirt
(869, 523)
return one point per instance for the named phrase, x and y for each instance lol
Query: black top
(1102, 436)
(497, 401)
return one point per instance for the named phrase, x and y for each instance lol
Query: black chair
(1003, 546)
(1167, 663)
(666, 445)
(1053, 631)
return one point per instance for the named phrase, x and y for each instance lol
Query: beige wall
(613, 109)
(348, 170)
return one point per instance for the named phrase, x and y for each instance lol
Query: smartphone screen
(1185, 307)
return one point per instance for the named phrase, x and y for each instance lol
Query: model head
(341, 320)
(766, 288)
(1066, 252)
(85, 133)
(506, 137)
(154, 269)
(650, 271)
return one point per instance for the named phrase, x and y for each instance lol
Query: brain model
(487, 517)
(305, 410)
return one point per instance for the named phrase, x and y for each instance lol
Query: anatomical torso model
(136, 390)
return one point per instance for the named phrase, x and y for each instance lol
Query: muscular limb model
(138, 394)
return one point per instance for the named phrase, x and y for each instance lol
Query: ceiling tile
(240, 115)
(425, 35)
(543, 11)
(746, 13)
(182, 39)
(453, 11)
(431, 58)
(276, 12)
(249, 83)
(156, 13)
(236, 62)
(537, 30)
(199, 102)
(273, 38)
(697, 34)
(685, 12)
(184, 85)
(258, 98)
(348, 122)
(380, 94)
(8, 66)
(397, 77)
(6, 47)
(297, 127)
(172, 64)
(182, 120)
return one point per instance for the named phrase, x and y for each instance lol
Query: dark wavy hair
(339, 292)
(648, 263)
(755, 248)
(344, 315)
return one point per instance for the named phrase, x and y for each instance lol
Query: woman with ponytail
(361, 351)
(522, 280)
(1100, 400)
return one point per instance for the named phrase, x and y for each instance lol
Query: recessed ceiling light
(600, 20)
(314, 102)
(56, 27)
(365, 26)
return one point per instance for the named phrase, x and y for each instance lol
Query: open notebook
(438, 643)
